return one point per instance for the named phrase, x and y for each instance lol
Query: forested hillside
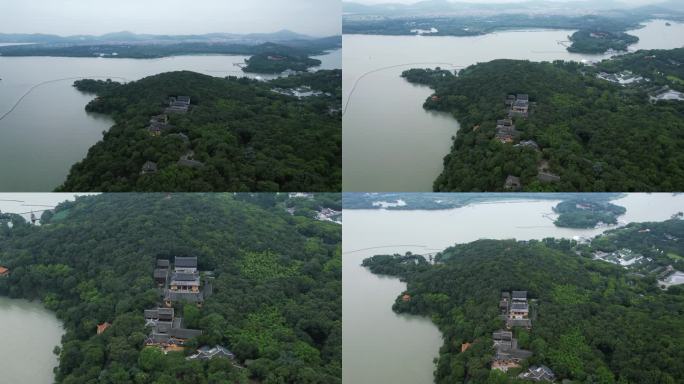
(276, 299)
(238, 135)
(582, 133)
(592, 322)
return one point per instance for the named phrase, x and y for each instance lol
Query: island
(270, 53)
(592, 33)
(600, 41)
(185, 288)
(184, 131)
(554, 310)
(403, 201)
(587, 213)
(563, 126)
(274, 63)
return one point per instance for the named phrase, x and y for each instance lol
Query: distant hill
(446, 7)
(130, 37)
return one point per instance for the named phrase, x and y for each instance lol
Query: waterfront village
(515, 312)
(177, 283)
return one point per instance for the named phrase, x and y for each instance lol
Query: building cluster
(158, 124)
(207, 353)
(178, 104)
(300, 92)
(188, 160)
(540, 373)
(182, 283)
(515, 311)
(179, 282)
(505, 131)
(518, 105)
(166, 330)
(512, 183)
(507, 354)
(149, 167)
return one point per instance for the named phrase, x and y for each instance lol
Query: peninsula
(184, 131)
(552, 310)
(563, 126)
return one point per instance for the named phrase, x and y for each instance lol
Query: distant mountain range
(133, 38)
(446, 7)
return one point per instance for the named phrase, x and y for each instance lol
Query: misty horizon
(168, 34)
(315, 18)
(630, 3)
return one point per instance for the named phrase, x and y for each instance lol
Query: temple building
(208, 353)
(184, 283)
(166, 330)
(161, 273)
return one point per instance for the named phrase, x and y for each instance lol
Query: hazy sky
(630, 2)
(70, 17)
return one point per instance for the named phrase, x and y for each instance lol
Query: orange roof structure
(465, 346)
(4, 271)
(102, 327)
(173, 348)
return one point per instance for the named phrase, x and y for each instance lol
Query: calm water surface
(391, 143)
(49, 130)
(29, 334)
(29, 331)
(383, 347)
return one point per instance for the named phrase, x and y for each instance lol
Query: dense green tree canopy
(594, 134)
(277, 285)
(139, 50)
(245, 136)
(593, 322)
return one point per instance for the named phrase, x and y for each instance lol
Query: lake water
(29, 331)
(29, 334)
(49, 130)
(380, 346)
(390, 142)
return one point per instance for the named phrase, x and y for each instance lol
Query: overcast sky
(630, 2)
(71, 17)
